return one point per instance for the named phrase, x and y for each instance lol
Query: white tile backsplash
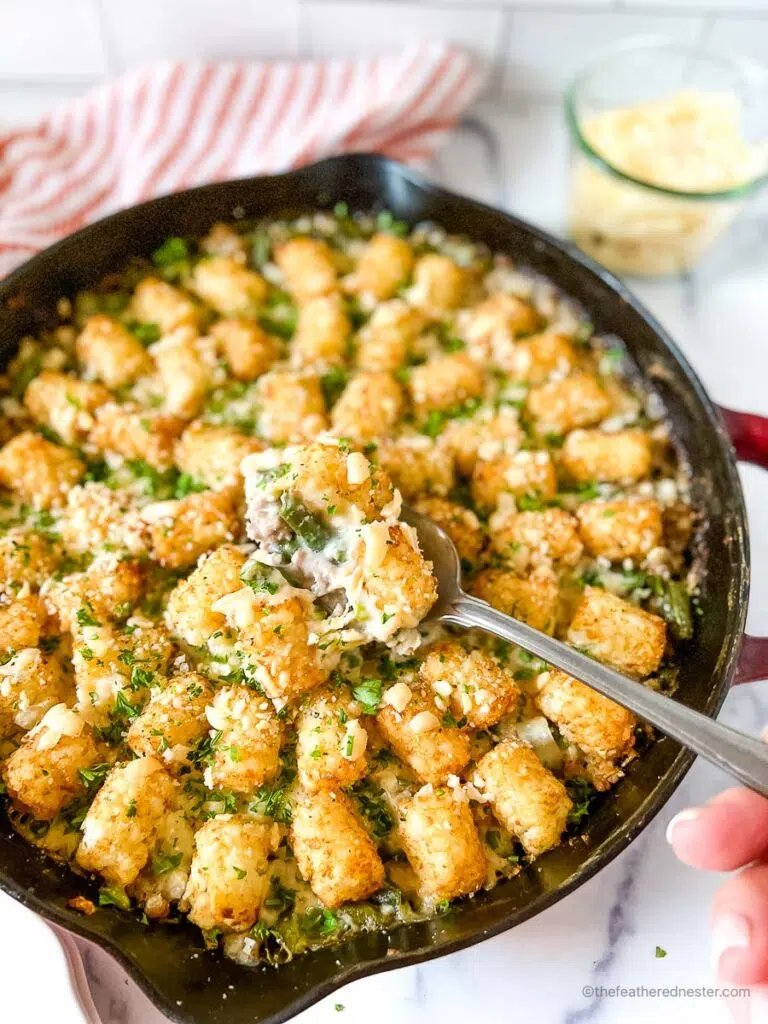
(547, 48)
(348, 28)
(50, 39)
(146, 30)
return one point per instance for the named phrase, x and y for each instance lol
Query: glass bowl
(643, 208)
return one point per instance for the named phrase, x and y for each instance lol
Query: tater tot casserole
(221, 696)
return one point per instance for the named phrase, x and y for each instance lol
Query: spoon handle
(742, 756)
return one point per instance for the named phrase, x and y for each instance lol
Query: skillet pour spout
(186, 982)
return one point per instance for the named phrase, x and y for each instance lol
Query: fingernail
(729, 931)
(689, 814)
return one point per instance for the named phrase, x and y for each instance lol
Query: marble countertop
(605, 935)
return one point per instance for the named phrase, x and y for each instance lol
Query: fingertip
(731, 831)
(740, 928)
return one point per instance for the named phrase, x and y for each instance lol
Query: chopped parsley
(368, 693)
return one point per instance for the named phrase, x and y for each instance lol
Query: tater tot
(228, 286)
(537, 358)
(40, 472)
(491, 327)
(292, 407)
(525, 539)
(333, 851)
(441, 841)
(308, 267)
(476, 688)
(120, 826)
(172, 721)
(248, 350)
(618, 633)
(164, 878)
(109, 352)
(603, 731)
(31, 682)
(620, 529)
(533, 600)
(384, 266)
(189, 612)
(487, 434)
(111, 585)
(417, 465)
(623, 457)
(443, 383)
(43, 774)
(331, 741)
(64, 404)
(97, 516)
(212, 455)
(383, 344)
(185, 365)
(438, 285)
(136, 433)
(247, 752)
(369, 407)
(461, 524)
(322, 332)
(524, 795)
(433, 750)
(228, 880)
(560, 406)
(21, 623)
(157, 302)
(26, 556)
(180, 531)
(518, 474)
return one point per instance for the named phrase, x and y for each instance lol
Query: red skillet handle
(749, 436)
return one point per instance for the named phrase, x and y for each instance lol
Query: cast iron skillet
(169, 963)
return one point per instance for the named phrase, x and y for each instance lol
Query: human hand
(729, 833)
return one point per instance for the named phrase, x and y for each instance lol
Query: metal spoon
(742, 756)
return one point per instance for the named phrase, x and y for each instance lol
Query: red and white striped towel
(175, 125)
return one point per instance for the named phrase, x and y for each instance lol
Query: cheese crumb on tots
(228, 286)
(441, 841)
(121, 824)
(416, 464)
(618, 633)
(43, 774)
(384, 266)
(560, 406)
(228, 879)
(540, 357)
(385, 341)
(111, 586)
(487, 433)
(475, 687)
(528, 800)
(108, 352)
(444, 382)
(292, 407)
(331, 741)
(185, 365)
(31, 682)
(180, 531)
(172, 720)
(21, 623)
(26, 556)
(518, 474)
(322, 332)
(136, 433)
(97, 516)
(212, 455)
(189, 612)
(438, 285)
(620, 529)
(157, 302)
(526, 539)
(248, 748)
(416, 732)
(64, 404)
(369, 407)
(490, 328)
(621, 457)
(461, 524)
(333, 851)
(164, 878)
(533, 600)
(602, 730)
(248, 350)
(308, 267)
(38, 471)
